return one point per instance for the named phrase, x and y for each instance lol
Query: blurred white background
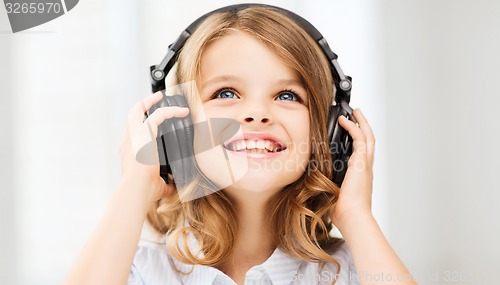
(425, 75)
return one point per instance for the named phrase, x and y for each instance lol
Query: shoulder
(346, 275)
(151, 264)
(342, 254)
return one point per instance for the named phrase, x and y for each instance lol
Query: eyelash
(216, 93)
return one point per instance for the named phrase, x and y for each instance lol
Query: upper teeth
(253, 144)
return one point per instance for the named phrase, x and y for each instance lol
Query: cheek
(197, 114)
(299, 130)
(204, 111)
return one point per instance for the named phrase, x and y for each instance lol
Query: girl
(271, 226)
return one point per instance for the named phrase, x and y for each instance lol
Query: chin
(259, 182)
(243, 190)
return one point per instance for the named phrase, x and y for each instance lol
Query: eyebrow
(223, 78)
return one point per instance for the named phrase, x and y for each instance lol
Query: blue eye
(224, 94)
(289, 96)
(285, 95)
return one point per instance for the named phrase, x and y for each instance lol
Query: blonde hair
(299, 212)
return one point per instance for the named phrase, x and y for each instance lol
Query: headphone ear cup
(175, 142)
(185, 137)
(340, 142)
(333, 115)
(161, 143)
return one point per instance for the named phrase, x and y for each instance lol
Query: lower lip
(257, 155)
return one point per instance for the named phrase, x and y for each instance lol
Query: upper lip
(260, 136)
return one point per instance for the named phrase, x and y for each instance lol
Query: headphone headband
(343, 83)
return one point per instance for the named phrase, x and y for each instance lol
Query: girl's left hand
(355, 197)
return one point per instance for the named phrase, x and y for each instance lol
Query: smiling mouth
(255, 146)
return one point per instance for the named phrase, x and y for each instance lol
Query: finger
(161, 114)
(146, 134)
(359, 139)
(363, 124)
(367, 131)
(137, 112)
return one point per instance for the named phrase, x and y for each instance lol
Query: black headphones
(175, 136)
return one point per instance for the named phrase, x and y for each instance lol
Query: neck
(254, 243)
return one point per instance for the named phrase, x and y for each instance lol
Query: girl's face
(243, 80)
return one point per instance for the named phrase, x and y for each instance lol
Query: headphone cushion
(175, 142)
(340, 142)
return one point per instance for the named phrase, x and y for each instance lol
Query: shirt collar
(280, 267)
(199, 273)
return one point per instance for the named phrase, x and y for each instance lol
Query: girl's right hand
(140, 136)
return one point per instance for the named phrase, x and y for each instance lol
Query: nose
(257, 114)
(252, 118)
(256, 111)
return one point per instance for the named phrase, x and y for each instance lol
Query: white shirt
(151, 266)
